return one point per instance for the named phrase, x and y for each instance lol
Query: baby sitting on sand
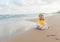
(41, 23)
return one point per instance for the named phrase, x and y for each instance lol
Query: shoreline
(33, 30)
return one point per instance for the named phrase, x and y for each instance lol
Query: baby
(41, 23)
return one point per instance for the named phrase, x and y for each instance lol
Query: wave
(22, 16)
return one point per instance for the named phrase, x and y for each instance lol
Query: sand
(50, 35)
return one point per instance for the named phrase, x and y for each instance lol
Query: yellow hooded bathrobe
(42, 23)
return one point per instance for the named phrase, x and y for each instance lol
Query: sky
(28, 6)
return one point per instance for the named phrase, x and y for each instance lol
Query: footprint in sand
(54, 36)
(51, 35)
(57, 38)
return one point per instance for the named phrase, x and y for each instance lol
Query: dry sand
(50, 35)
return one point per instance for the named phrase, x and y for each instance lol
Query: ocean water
(22, 16)
(11, 24)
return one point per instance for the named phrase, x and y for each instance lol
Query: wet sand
(50, 35)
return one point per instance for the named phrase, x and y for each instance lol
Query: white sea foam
(11, 26)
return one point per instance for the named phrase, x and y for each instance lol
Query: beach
(34, 35)
(20, 20)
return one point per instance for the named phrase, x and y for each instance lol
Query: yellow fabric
(41, 22)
